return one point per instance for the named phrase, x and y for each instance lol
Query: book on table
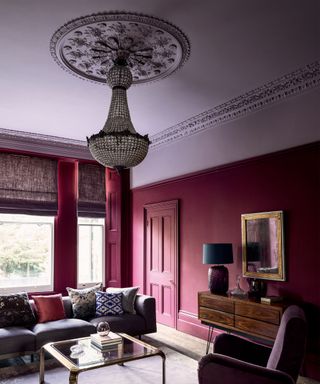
(106, 348)
(106, 341)
(271, 299)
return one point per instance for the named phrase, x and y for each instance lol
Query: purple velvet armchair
(237, 360)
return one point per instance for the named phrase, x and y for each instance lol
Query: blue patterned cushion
(108, 304)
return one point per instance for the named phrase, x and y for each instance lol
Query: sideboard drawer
(240, 315)
(260, 312)
(256, 327)
(218, 317)
(216, 302)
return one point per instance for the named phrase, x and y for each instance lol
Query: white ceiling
(236, 46)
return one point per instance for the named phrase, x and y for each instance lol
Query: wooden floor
(179, 341)
(190, 345)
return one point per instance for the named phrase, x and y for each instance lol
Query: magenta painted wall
(211, 204)
(65, 239)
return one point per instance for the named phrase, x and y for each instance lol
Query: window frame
(35, 287)
(103, 277)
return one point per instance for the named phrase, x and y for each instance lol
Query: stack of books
(271, 299)
(105, 342)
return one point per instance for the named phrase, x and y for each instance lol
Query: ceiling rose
(88, 46)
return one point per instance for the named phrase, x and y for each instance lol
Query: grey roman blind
(92, 190)
(28, 184)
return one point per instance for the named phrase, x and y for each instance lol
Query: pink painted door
(161, 273)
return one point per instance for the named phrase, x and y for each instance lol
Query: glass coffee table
(77, 361)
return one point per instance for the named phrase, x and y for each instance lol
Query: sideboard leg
(209, 338)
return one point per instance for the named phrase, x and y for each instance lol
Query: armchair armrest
(215, 368)
(239, 348)
(145, 306)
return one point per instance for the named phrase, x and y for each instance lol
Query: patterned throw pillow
(84, 301)
(108, 304)
(15, 310)
(128, 297)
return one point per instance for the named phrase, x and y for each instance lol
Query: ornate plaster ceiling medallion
(89, 45)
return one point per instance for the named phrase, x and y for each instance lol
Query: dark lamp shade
(217, 253)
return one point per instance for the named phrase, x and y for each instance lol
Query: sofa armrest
(225, 370)
(145, 306)
(242, 349)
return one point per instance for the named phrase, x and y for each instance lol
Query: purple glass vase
(218, 279)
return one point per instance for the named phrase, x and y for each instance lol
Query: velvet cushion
(49, 308)
(63, 329)
(84, 301)
(108, 304)
(15, 310)
(16, 339)
(128, 297)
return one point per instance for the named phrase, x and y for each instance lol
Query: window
(90, 251)
(26, 252)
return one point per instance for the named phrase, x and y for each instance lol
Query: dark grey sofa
(28, 340)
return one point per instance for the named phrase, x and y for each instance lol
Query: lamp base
(218, 279)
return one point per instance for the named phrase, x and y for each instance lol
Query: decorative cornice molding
(288, 85)
(44, 144)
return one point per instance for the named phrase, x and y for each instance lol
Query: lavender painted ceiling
(236, 46)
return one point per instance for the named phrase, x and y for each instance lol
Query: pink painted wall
(65, 239)
(211, 204)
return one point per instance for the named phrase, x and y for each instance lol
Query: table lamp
(218, 275)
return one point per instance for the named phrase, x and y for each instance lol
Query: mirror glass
(262, 245)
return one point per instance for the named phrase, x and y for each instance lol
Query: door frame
(170, 204)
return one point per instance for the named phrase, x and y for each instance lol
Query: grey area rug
(180, 369)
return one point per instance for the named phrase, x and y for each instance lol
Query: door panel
(167, 262)
(161, 258)
(155, 244)
(166, 299)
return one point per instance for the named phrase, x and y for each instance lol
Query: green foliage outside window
(23, 249)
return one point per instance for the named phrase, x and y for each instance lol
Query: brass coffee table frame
(75, 370)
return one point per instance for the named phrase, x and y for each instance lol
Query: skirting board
(188, 322)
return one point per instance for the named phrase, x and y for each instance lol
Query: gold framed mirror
(263, 245)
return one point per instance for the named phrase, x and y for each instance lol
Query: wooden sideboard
(240, 315)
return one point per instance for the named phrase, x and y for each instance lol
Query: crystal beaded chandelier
(119, 49)
(118, 145)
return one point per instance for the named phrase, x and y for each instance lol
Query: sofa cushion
(108, 304)
(61, 330)
(49, 307)
(16, 340)
(15, 310)
(127, 323)
(128, 297)
(84, 301)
